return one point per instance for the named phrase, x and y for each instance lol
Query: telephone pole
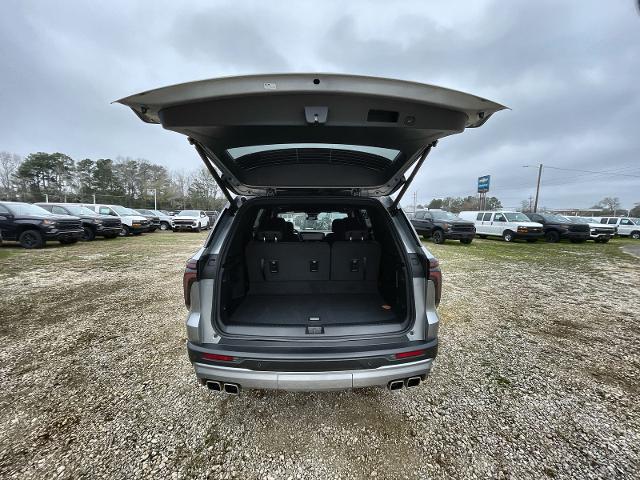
(535, 205)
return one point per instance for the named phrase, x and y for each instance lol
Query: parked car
(195, 220)
(440, 226)
(345, 306)
(213, 216)
(626, 226)
(556, 228)
(33, 226)
(599, 233)
(165, 219)
(132, 221)
(150, 215)
(93, 224)
(508, 225)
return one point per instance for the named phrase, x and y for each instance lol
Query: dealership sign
(483, 184)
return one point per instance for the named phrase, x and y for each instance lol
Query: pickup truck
(93, 224)
(440, 226)
(33, 226)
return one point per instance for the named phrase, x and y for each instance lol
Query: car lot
(537, 374)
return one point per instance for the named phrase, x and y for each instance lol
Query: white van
(132, 221)
(626, 226)
(508, 225)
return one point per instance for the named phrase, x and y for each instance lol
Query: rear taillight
(190, 276)
(435, 275)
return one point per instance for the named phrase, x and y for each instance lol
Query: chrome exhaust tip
(413, 381)
(232, 388)
(396, 385)
(214, 386)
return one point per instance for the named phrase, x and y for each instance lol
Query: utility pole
(155, 199)
(94, 198)
(530, 202)
(535, 205)
(46, 198)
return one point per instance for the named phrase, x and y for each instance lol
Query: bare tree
(9, 163)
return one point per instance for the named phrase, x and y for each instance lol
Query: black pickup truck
(32, 226)
(556, 228)
(93, 223)
(441, 225)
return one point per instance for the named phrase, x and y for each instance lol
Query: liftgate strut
(408, 181)
(207, 163)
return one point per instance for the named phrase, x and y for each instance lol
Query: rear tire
(31, 239)
(88, 234)
(635, 235)
(164, 226)
(466, 241)
(125, 232)
(551, 237)
(508, 236)
(438, 237)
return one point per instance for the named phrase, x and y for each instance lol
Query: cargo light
(412, 353)
(217, 357)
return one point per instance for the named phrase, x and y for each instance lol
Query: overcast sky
(569, 71)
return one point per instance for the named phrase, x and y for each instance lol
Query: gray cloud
(568, 70)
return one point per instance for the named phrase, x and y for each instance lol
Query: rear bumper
(288, 366)
(313, 381)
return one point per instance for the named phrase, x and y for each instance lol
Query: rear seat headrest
(356, 235)
(269, 236)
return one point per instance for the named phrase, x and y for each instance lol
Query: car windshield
(188, 213)
(79, 210)
(27, 209)
(579, 219)
(124, 211)
(145, 212)
(550, 217)
(158, 213)
(320, 221)
(517, 217)
(444, 216)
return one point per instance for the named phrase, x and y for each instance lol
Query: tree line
(459, 204)
(124, 181)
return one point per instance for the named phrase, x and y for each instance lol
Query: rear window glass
(487, 216)
(479, 216)
(320, 221)
(613, 221)
(238, 152)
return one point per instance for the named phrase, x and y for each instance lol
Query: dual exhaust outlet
(407, 382)
(230, 388)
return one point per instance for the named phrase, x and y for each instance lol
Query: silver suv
(312, 278)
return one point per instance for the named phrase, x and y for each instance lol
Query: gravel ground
(537, 375)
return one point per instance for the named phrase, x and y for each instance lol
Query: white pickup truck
(626, 226)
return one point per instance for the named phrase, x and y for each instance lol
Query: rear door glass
(487, 217)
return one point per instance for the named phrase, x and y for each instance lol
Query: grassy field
(537, 375)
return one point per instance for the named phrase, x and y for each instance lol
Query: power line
(594, 172)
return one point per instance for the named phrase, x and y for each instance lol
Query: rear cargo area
(343, 276)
